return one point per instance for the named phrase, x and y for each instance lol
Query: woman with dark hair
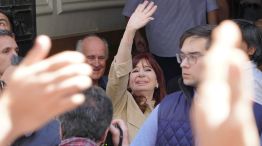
(135, 85)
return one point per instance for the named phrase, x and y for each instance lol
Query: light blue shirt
(257, 83)
(146, 136)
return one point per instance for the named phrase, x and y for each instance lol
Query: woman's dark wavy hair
(252, 35)
(159, 92)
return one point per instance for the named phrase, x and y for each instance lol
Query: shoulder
(172, 97)
(47, 135)
(170, 101)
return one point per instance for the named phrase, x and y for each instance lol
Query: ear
(251, 51)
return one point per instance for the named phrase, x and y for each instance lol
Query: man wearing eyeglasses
(169, 123)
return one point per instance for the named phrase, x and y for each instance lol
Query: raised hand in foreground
(40, 89)
(222, 112)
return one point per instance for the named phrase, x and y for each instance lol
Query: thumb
(39, 51)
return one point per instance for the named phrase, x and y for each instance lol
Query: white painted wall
(60, 18)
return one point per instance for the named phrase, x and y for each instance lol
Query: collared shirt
(171, 19)
(77, 141)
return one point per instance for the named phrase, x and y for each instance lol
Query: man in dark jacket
(169, 123)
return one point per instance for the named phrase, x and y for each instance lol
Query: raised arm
(122, 65)
(141, 16)
(225, 118)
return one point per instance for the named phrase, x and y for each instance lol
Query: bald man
(95, 49)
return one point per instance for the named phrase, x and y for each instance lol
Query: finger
(70, 86)
(151, 12)
(226, 57)
(226, 35)
(142, 6)
(68, 103)
(148, 7)
(240, 78)
(114, 130)
(234, 82)
(148, 20)
(58, 61)
(66, 72)
(225, 38)
(120, 123)
(215, 77)
(39, 51)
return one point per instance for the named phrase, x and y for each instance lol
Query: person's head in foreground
(90, 122)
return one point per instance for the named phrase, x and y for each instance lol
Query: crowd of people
(212, 74)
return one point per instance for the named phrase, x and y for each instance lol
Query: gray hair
(91, 119)
(79, 45)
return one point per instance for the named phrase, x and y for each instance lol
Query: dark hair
(201, 31)
(9, 17)
(159, 92)
(252, 35)
(91, 119)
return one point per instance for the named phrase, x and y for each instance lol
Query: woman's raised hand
(142, 15)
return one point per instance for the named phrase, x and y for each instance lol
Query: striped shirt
(172, 18)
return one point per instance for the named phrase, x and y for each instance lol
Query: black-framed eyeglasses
(191, 58)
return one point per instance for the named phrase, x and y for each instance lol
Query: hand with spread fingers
(40, 89)
(142, 15)
(225, 118)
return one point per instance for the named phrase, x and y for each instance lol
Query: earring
(157, 85)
